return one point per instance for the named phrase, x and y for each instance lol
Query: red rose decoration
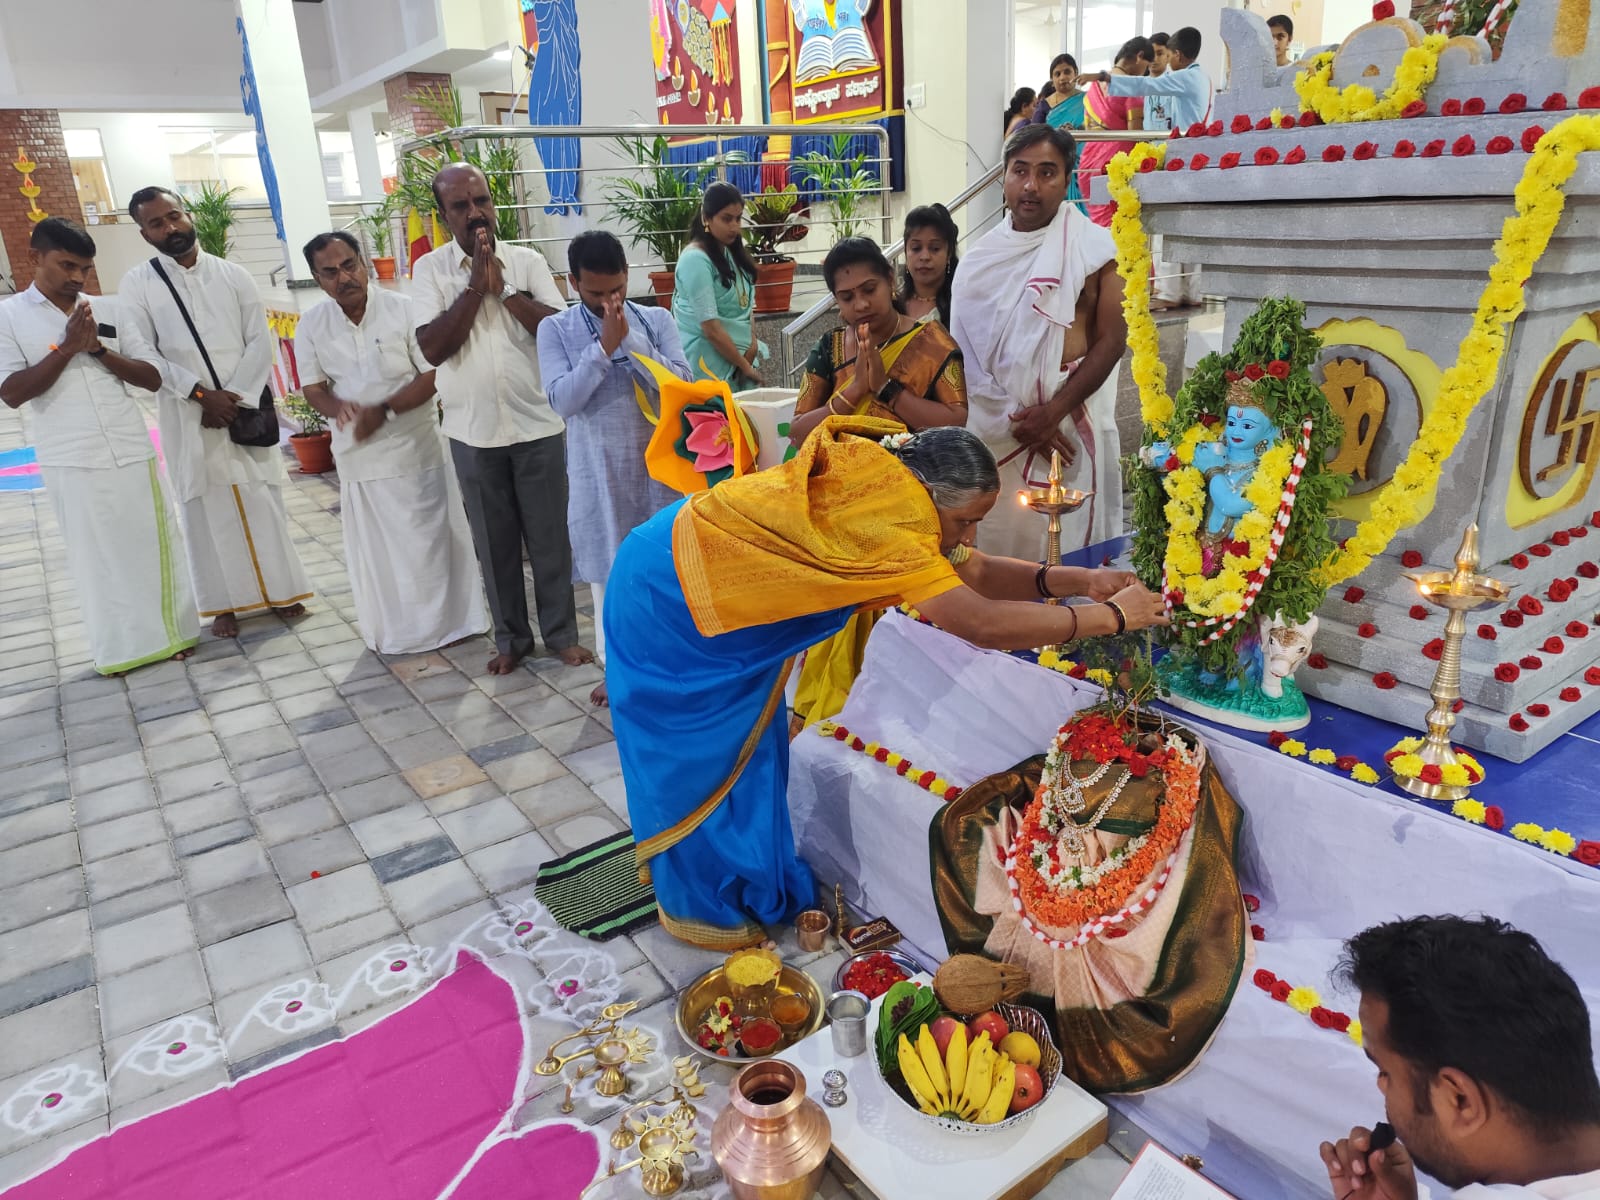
(1232, 376)
(1518, 724)
(1266, 156)
(1251, 903)
(1415, 109)
(1278, 369)
(1277, 738)
(1079, 671)
(1530, 605)
(1214, 129)
(1254, 372)
(841, 734)
(1384, 681)
(1473, 775)
(1539, 551)
(1520, 561)
(1295, 157)
(1176, 599)
(1530, 138)
(1197, 130)
(1511, 618)
(952, 792)
(1589, 98)
(1464, 146)
(881, 754)
(1494, 816)
(1419, 612)
(1450, 108)
(1514, 103)
(1500, 145)
(1577, 629)
(1346, 762)
(1308, 119)
(1553, 645)
(1287, 122)
(1199, 162)
(1434, 649)
(857, 744)
(1383, 10)
(1561, 537)
(1433, 149)
(1559, 591)
(1172, 464)
(1487, 633)
(1318, 662)
(1265, 123)
(1174, 163)
(1238, 549)
(1332, 154)
(1258, 933)
(1321, 1017)
(1588, 853)
(1264, 980)
(1228, 161)
(1538, 710)
(1366, 629)
(1530, 662)
(1507, 672)
(1592, 675)
(1365, 151)
(1404, 148)
(1354, 594)
(902, 767)
(1411, 558)
(1146, 166)
(1578, 531)
(1473, 106)
(1458, 705)
(927, 778)
(1571, 694)
(1554, 102)
(1430, 773)
(1280, 991)
(1241, 123)
(1341, 1022)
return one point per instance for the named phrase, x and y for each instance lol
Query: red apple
(942, 1028)
(992, 1023)
(1028, 1089)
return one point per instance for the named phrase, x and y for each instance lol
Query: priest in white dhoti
(1036, 307)
(586, 358)
(65, 363)
(206, 321)
(408, 550)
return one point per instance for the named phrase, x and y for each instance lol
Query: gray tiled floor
(176, 843)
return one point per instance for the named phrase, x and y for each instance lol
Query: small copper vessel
(772, 1141)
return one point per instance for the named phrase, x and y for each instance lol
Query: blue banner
(252, 109)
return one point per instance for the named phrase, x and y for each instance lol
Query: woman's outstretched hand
(1142, 607)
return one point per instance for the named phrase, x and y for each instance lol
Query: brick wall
(407, 118)
(37, 132)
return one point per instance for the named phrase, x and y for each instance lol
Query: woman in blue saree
(1061, 106)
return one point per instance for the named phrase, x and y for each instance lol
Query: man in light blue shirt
(1184, 85)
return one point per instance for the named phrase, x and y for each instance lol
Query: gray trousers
(516, 496)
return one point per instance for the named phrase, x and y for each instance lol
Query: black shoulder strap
(187, 320)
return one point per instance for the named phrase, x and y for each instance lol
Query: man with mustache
(68, 363)
(480, 302)
(241, 557)
(406, 543)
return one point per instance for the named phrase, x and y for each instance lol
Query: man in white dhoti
(407, 547)
(1036, 307)
(241, 558)
(1483, 1051)
(68, 363)
(586, 357)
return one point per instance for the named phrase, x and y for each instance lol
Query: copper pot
(771, 1142)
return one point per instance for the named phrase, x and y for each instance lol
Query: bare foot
(598, 697)
(503, 664)
(183, 654)
(575, 656)
(226, 625)
(294, 610)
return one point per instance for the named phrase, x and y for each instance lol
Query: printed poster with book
(831, 60)
(695, 48)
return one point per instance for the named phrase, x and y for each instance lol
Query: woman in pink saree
(1101, 110)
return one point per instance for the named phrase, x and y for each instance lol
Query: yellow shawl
(843, 523)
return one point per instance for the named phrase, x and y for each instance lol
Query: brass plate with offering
(716, 1013)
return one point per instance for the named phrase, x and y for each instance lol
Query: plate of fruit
(966, 1075)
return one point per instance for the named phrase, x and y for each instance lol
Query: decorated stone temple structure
(1387, 229)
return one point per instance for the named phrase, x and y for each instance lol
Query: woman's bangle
(1039, 582)
(1073, 609)
(834, 411)
(1122, 617)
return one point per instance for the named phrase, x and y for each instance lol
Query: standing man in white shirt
(68, 364)
(407, 547)
(480, 303)
(240, 554)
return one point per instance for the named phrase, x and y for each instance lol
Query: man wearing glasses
(586, 357)
(413, 574)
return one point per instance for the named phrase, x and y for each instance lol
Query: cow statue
(1283, 647)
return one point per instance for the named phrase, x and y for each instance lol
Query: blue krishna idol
(1231, 520)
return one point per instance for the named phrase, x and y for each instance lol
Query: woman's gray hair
(952, 463)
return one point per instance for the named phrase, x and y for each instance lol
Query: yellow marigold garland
(1357, 102)
(1133, 264)
(1223, 594)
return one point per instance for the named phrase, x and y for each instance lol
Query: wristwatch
(507, 292)
(98, 352)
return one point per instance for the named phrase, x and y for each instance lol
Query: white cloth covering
(126, 558)
(240, 555)
(490, 388)
(1014, 296)
(413, 575)
(1566, 1187)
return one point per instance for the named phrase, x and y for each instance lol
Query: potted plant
(842, 181)
(313, 445)
(658, 204)
(771, 219)
(212, 213)
(379, 232)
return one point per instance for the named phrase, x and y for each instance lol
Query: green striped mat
(595, 891)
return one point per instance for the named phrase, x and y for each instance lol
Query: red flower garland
(923, 779)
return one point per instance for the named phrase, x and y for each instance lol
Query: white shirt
(366, 364)
(86, 418)
(1564, 1187)
(490, 388)
(226, 309)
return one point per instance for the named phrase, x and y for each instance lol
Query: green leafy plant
(377, 227)
(496, 157)
(843, 181)
(772, 218)
(658, 205)
(213, 215)
(308, 418)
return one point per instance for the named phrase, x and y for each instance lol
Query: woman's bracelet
(1040, 583)
(1073, 609)
(1122, 617)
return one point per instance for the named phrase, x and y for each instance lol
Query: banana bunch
(971, 1083)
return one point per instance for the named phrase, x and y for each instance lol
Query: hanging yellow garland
(1357, 102)
(1540, 200)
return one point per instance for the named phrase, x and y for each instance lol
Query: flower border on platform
(929, 781)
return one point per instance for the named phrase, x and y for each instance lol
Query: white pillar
(286, 116)
(364, 141)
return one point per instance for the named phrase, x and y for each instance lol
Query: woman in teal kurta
(714, 293)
